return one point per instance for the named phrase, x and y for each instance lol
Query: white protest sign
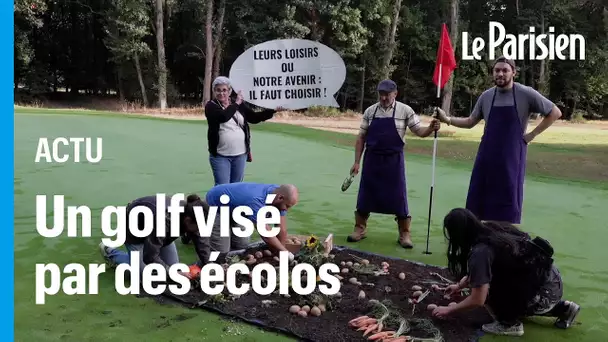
(290, 73)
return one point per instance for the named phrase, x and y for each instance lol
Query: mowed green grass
(143, 156)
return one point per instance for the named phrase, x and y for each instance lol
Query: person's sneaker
(105, 253)
(566, 320)
(497, 328)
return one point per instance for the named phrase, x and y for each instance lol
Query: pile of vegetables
(363, 266)
(306, 310)
(383, 315)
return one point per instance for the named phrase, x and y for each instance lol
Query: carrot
(398, 339)
(366, 321)
(381, 335)
(355, 320)
(370, 329)
(361, 324)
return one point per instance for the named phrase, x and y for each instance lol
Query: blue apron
(497, 180)
(382, 188)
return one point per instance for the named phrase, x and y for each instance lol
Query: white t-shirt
(232, 137)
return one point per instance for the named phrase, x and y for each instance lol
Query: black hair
(464, 230)
(523, 266)
(192, 201)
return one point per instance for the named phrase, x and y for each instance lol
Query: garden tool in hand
(347, 182)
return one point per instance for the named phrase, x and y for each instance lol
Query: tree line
(164, 53)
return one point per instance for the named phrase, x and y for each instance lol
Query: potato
(302, 313)
(401, 275)
(276, 258)
(345, 270)
(297, 242)
(416, 288)
(353, 281)
(342, 264)
(322, 307)
(267, 253)
(306, 308)
(251, 261)
(315, 311)
(417, 294)
(248, 256)
(288, 241)
(361, 295)
(365, 262)
(349, 264)
(431, 307)
(294, 309)
(259, 255)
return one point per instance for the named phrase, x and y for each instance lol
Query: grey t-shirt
(528, 101)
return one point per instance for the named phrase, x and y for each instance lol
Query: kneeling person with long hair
(507, 271)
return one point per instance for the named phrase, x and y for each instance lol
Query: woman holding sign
(228, 134)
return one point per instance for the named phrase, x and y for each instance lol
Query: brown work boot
(360, 229)
(405, 239)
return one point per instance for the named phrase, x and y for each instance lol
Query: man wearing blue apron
(383, 188)
(496, 189)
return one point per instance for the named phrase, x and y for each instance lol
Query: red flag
(445, 59)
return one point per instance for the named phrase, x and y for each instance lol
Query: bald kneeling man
(252, 195)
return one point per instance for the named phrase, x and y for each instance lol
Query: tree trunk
(140, 77)
(219, 37)
(209, 52)
(316, 33)
(542, 82)
(390, 46)
(162, 67)
(120, 81)
(362, 89)
(449, 87)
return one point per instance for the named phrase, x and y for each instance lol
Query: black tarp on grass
(241, 309)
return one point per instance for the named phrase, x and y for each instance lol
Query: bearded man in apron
(383, 188)
(496, 189)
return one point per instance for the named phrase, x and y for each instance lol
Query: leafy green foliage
(88, 46)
